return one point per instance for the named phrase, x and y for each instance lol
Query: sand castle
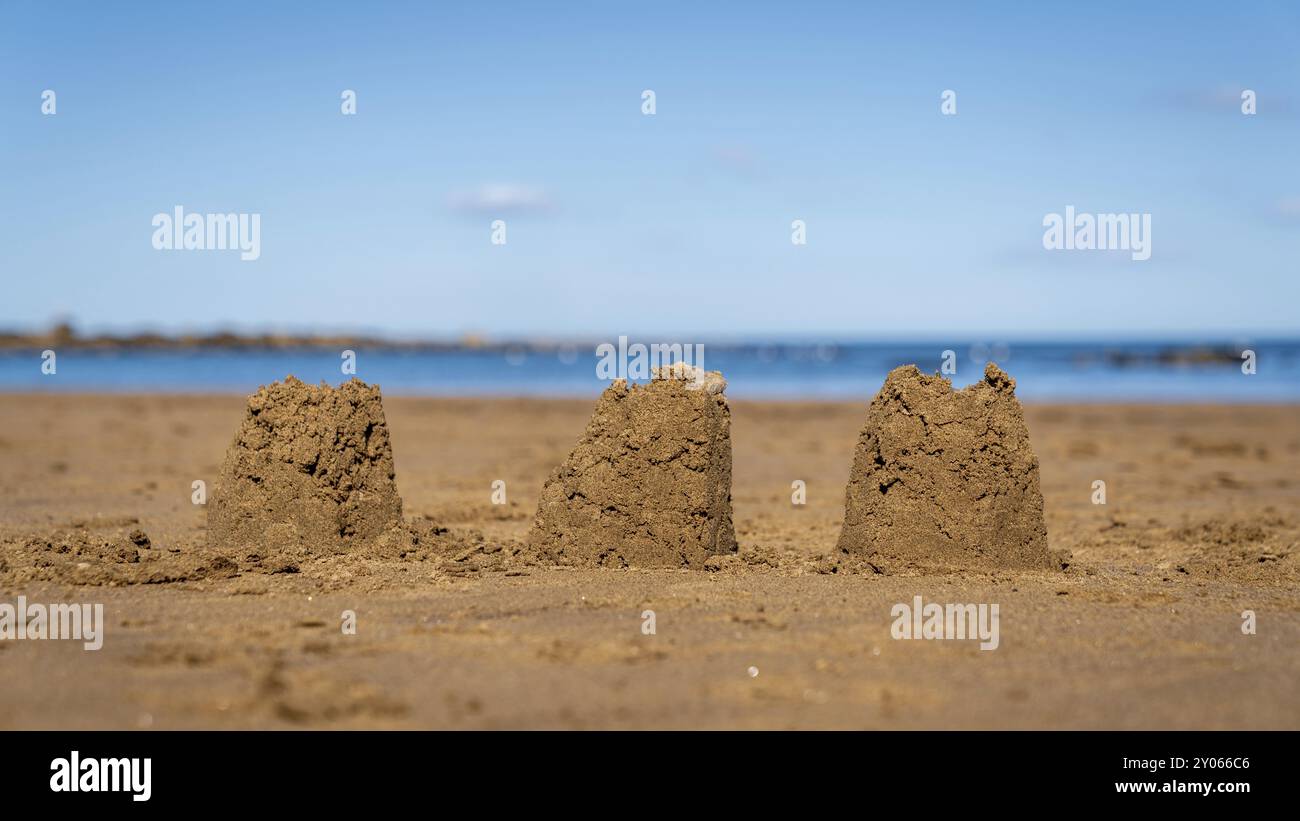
(945, 479)
(649, 483)
(941, 479)
(310, 472)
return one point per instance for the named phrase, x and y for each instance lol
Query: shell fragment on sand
(709, 381)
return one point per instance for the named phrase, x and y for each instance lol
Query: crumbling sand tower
(945, 479)
(649, 483)
(309, 473)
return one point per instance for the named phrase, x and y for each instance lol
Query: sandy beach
(1142, 627)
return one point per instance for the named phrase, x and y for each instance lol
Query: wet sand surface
(1143, 628)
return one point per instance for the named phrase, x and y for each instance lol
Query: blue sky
(918, 223)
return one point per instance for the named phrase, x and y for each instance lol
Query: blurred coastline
(1175, 370)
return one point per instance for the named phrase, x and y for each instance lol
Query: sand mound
(945, 478)
(309, 473)
(649, 483)
(103, 553)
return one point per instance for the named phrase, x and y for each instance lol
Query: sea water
(1096, 371)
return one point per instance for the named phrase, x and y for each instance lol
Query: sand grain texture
(649, 483)
(944, 478)
(459, 629)
(310, 472)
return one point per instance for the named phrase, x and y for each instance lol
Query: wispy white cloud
(1226, 98)
(501, 199)
(1288, 208)
(738, 159)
